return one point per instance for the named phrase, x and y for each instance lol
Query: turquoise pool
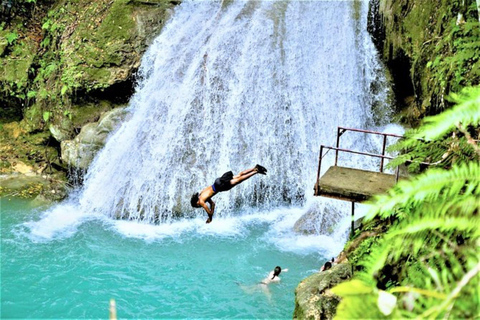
(56, 266)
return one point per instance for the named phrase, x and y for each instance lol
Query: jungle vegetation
(427, 264)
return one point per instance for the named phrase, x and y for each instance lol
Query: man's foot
(261, 169)
(210, 217)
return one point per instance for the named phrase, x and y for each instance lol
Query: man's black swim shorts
(223, 183)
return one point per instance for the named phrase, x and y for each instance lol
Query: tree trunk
(478, 9)
(460, 18)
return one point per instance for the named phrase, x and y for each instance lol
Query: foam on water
(59, 222)
(63, 222)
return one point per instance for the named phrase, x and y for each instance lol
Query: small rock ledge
(313, 298)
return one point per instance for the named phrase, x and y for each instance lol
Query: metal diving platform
(354, 184)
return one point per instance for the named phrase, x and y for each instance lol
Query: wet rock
(44, 188)
(313, 297)
(25, 169)
(80, 151)
(319, 219)
(61, 132)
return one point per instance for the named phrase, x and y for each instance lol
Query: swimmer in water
(273, 277)
(327, 265)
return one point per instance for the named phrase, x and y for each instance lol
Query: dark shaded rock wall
(429, 51)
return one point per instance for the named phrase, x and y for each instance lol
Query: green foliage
(364, 249)
(445, 138)
(426, 265)
(367, 300)
(31, 94)
(11, 37)
(98, 33)
(443, 55)
(46, 116)
(467, 111)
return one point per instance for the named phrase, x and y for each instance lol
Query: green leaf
(353, 287)
(46, 116)
(466, 112)
(46, 25)
(64, 89)
(11, 37)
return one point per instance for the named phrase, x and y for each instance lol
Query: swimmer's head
(194, 200)
(276, 271)
(327, 265)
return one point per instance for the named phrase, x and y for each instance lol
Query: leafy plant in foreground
(427, 264)
(444, 139)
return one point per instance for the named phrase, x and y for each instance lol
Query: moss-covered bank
(428, 49)
(63, 63)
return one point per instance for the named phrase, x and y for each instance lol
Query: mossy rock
(106, 40)
(313, 298)
(89, 112)
(430, 53)
(80, 152)
(16, 64)
(32, 120)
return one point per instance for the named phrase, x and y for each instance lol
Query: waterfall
(231, 84)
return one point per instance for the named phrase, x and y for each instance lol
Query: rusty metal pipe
(383, 152)
(372, 132)
(319, 168)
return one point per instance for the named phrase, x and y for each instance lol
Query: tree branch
(447, 303)
(467, 135)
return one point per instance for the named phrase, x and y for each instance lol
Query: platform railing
(340, 132)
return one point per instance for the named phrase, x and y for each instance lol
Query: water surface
(184, 270)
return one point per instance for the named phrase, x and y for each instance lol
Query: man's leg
(246, 174)
(242, 176)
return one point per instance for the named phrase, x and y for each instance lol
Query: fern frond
(467, 225)
(452, 149)
(466, 112)
(436, 310)
(430, 186)
(443, 139)
(429, 256)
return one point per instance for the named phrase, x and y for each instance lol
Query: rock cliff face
(80, 151)
(431, 49)
(313, 298)
(64, 63)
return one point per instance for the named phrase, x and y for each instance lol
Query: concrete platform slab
(353, 185)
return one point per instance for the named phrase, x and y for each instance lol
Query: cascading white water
(229, 85)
